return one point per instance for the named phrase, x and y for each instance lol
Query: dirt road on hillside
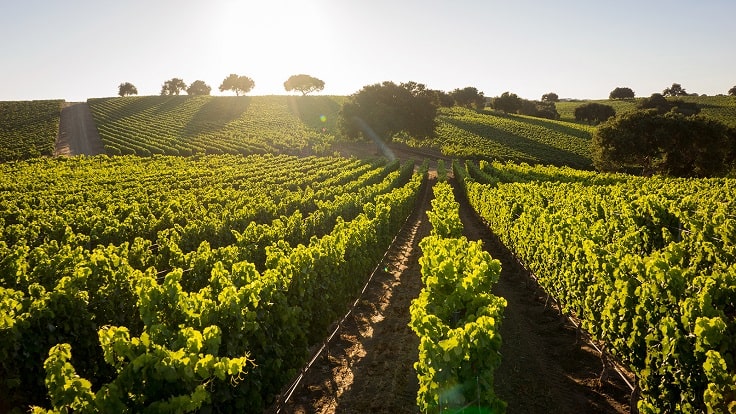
(77, 131)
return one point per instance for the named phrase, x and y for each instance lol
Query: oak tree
(621, 93)
(237, 84)
(387, 109)
(173, 86)
(304, 84)
(198, 87)
(127, 89)
(667, 144)
(594, 113)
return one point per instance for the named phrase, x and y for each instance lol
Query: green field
(722, 108)
(465, 133)
(28, 128)
(161, 275)
(184, 125)
(305, 125)
(191, 283)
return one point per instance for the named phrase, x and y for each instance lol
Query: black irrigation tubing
(284, 397)
(601, 351)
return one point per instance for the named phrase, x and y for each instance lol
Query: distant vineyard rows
(470, 134)
(722, 108)
(183, 125)
(28, 128)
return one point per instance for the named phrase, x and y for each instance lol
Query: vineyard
(722, 108)
(466, 133)
(28, 128)
(455, 316)
(646, 264)
(177, 284)
(305, 125)
(186, 125)
(201, 276)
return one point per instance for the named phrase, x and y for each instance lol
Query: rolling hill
(28, 128)
(304, 125)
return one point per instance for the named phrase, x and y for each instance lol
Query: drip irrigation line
(601, 351)
(282, 401)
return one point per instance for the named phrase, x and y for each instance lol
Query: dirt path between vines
(77, 131)
(369, 366)
(542, 368)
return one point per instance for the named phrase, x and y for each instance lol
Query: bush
(594, 113)
(669, 144)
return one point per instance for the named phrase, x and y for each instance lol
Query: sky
(79, 49)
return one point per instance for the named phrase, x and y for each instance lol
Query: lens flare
(323, 118)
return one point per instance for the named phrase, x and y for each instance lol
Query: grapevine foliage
(177, 285)
(456, 317)
(647, 264)
(28, 129)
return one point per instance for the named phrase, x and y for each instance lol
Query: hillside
(466, 133)
(185, 125)
(722, 108)
(304, 125)
(28, 128)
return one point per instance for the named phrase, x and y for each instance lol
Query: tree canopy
(732, 91)
(507, 102)
(512, 104)
(198, 87)
(550, 97)
(621, 93)
(173, 86)
(668, 144)
(539, 109)
(469, 97)
(126, 89)
(304, 84)
(675, 90)
(237, 84)
(663, 105)
(388, 108)
(594, 113)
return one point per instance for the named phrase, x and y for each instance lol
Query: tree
(550, 97)
(507, 102)
(237, 84)
(594, 113)
(621, 93)
(173, 86)
(539, 109)
(439, 98)
(198, 87)
(126, 89)
(663, 105)
(732, 91)
(304, 84)
(388, 109)
(469, 97)
(669, 144)
(443, 98)
(674, 90)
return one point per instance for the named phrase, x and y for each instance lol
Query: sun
(270, 41)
